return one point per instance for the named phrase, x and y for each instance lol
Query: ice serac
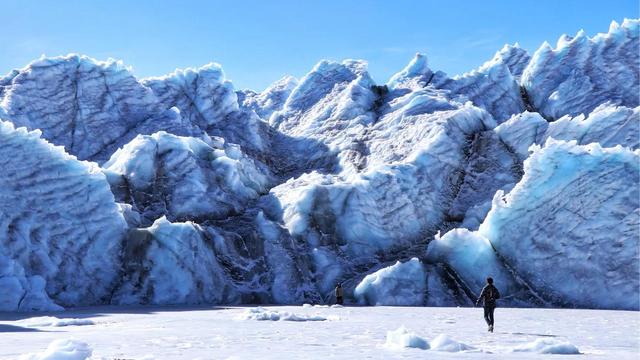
(172, 263)
(415, 75)
(333, 103)
(608, 125)
(60, 228)
(570, 227)
(185, 178)
(515, 57)
(466, 252)
(399, 284)
(207, 99)
(270, 100)
(582, 73)
(492, 87)
(90, 107)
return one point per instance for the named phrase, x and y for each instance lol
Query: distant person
(339, 294)
(489, 295)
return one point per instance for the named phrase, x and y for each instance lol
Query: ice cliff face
(525, 169)
(581, 73)
(90, 107)
(60, 229)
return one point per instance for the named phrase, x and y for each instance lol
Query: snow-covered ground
(346, 332)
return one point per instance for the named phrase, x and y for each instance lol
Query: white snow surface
(360, 332)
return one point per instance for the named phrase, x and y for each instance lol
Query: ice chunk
(414, 76)
(63, 349)
(262, 314)
(521, 131)
(515, 57)
(400, 284)
(207, 99)
(548, 346)
(445, 343)
(403, 338)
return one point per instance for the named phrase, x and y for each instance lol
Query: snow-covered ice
(360, 332)
(64, 349)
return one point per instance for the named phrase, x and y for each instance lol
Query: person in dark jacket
(489, 295)
(339, 294)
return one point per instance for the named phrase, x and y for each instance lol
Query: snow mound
(399, 284)
(46, 321)
(548, 346)
(261, 314)
(445, 343)
(64, 349)
(403, 338)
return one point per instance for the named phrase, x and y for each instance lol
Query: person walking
(489, 295)
(339, 294)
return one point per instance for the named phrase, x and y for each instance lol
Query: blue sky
(257, 42)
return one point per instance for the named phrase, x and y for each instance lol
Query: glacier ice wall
(582, 72)
(208, 194)
(60, 226)
(575, 214)
(90, 107)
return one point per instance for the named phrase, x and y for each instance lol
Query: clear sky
(257, 42)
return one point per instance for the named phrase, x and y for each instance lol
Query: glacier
(182, 189)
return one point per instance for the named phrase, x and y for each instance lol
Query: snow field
(360, 332)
